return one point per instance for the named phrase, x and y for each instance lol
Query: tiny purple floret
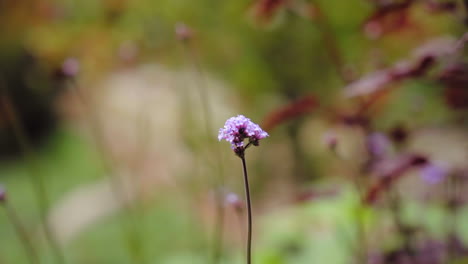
(378, 144)
(433, 173)
(238, 128)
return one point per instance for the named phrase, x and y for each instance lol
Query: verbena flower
(237, 129)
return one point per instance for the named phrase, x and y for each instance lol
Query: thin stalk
(21, 233)
(249, 211)
(34, 173)
(361, 229)
(359, 246)
(452, 208)
(331, 44)
(402, 228)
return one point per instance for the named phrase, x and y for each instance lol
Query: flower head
(238, 128)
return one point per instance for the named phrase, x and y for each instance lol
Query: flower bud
(2, 194)
(183, 32)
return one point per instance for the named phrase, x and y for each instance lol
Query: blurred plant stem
(362, 250)
(249, 211)
(453, 198)
(218, 179)
(34, 171)
(21, 232)
(129, 227)
(331, 44)
(405, 231)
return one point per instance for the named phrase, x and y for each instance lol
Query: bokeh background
(110, 112)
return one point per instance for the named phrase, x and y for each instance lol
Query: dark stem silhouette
(249, 211)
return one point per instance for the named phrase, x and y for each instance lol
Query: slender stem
(452, 207)
(34, 173)
(21, 233)
(249, 212)
(331, 44)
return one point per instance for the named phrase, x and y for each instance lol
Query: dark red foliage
(457, 97)
(293, 110)
(387, 18)
(399, 134)
(312, 195)
(425, 57)
(400, 71)
(455, 80)
(390, 173)
(355, 120)
(436, 6)
(265, 9)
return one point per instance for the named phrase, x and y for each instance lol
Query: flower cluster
(238, 128)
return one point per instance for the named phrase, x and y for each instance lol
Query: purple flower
(433, 173)
(378, 144)
(71, 67)
(233, 200)
(238, 128)
(330, 139)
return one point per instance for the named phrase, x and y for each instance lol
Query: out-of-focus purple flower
(433, 173)
(70, 67)
(183, 32)
(233, 200)
(378, 144)
(128, 51)
(330, 139)
(2, 194)
(238, 128)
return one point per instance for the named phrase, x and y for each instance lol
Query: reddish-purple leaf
(425, 56)
(264, 10)
(389, 171)
(293, 110)
(387, 18)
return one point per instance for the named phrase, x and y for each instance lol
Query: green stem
(34, 173)
(249, 212)
(21, 233)
(331, 44)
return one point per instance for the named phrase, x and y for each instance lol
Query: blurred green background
(134, 92)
